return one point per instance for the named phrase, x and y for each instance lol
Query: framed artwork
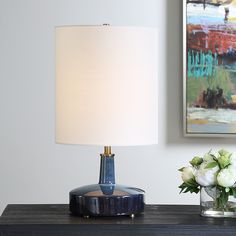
(209, 43)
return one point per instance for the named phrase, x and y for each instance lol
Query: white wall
(33, 169)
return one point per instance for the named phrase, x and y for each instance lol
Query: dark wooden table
(157, 220)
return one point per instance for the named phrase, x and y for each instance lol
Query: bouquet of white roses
(213, 172)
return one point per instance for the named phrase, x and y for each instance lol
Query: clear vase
(211, 203)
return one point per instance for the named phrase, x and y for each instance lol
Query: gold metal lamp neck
(107, 150)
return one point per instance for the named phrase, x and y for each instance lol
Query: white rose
(187, 173)
(227, 177)
(206, 176)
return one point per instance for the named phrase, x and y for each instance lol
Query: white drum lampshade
(106, 94)
(106, 85)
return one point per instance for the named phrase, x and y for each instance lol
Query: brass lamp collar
(107, 151)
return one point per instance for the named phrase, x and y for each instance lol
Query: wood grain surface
(157, 220)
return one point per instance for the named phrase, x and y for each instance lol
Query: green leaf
(194, 189)
(189, 187)
(211, 165)
(181, 169)
(187, 190)
(233, 192)
(222, 199)
(181, 190)
(192, 183)
(182, 187)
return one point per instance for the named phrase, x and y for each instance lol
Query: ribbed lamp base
(106, 200)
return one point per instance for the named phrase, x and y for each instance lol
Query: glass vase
(212, 204)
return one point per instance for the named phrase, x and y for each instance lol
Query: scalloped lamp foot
(106, 200)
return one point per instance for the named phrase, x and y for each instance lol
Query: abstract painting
(210, 67)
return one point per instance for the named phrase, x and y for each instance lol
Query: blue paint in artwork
(212, 128)
(210, 15)
(204, 20)
(201, 64)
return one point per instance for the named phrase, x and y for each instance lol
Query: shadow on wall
(174, 80)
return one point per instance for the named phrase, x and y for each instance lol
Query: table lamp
(106, 94)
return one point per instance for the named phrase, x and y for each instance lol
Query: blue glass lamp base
(106, 200)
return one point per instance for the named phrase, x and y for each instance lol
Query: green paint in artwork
(222, 79)
(201, 64)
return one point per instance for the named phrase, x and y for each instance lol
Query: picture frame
(209, 68)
